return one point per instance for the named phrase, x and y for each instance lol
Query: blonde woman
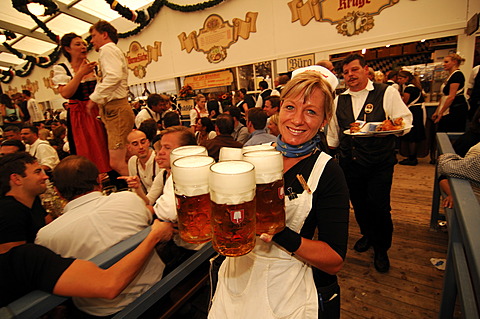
(451, 115)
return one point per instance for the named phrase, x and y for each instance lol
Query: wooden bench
(462, 272)
(37, 303)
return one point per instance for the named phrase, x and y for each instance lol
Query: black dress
(456, 120)
(414, 103)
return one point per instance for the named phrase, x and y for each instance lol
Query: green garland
(140, 17)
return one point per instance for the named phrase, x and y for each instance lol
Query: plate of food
(390, 126)
(362, 128)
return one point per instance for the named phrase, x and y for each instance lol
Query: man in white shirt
(157, 105)
(46, 155)
(91, 223)
(36, 114)
(111, 93)
(368, 161)
(265, 92)
(143, 168)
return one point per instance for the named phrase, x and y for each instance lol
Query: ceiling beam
(73, 12)
(21, 30)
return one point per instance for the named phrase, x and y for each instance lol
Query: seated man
(224, 128)
(11, 146)
(12, 132)
(256, 123)
(91, 223)
(29, 267)
(142, 168)
(46, 155)
(240, 131)
(22, 180)
(157, 104)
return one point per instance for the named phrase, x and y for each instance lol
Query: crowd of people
(101, 134)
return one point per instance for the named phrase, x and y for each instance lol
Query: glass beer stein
(269, 191)
(260, 147)
(230, 154)
(187, 150)
(232, 197)
(190, 181)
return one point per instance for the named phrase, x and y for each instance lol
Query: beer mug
(187, 150)
(270, 194)
(259, 147)
(230, 154)
(190, 181)
(232, 197)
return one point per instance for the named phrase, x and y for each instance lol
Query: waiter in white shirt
(111, 93)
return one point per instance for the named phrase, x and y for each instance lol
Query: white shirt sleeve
(60, 76)
(471, 79)
(395, 107)
(111, 61)
(47, 155)
(165, 207)
(193, 116)
(333, 129)
(156, 190)
(259, 101)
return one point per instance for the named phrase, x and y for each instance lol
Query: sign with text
(300, 61)
(209, 80)
(218, 35)
(352, 17)
(138, 57)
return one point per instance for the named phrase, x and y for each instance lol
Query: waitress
(451, 115)
(292, 275)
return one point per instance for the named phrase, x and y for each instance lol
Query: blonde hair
(456, 57)
(306, 82)
(199, 97)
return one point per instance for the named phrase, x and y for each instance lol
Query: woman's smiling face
(300, 121)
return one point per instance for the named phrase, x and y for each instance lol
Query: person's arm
(437, 116)
(2, 110)
(85, 279)
(331, 208)
(134, 183)
(47, 157)
(20, 111)
(406, 97)
(67, 91)
(243, 135)
(447, 199)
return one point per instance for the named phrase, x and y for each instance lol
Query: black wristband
(288, 239)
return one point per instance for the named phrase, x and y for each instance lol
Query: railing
(37, 303)
(462, 277)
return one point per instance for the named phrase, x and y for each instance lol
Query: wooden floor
(412, 288)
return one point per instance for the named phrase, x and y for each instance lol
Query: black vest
(475, 96)
(264, 95)
(366, 151)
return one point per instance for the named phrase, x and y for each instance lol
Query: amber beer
(269, 191)
(232, 196)
(190, 180)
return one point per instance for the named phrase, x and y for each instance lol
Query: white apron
(269, 282)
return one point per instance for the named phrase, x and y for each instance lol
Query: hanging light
(3, 38)
(36, 8)
(364, 51)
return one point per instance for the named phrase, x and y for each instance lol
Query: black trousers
(369, 189)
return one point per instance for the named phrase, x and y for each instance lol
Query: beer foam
(232, 182)
(259, 147)
(187, 150)
(268, 165)
(190, 175)
(230, 154)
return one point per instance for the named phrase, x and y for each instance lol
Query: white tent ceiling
(74, 16)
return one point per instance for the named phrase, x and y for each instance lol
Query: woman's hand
(436, 118)
(86, 67)
(132, 181)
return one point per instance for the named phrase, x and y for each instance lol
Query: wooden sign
(209, 80)
(300, 61)
(138, 57)
(218, 35)
(351, 17)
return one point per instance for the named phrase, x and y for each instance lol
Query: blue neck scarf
(306, 148)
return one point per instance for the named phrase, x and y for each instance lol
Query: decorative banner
(31, 86)
(209, 80)
(138, 57)
(346, 14)
(218, 35)
(49, 83)
(300, 61)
